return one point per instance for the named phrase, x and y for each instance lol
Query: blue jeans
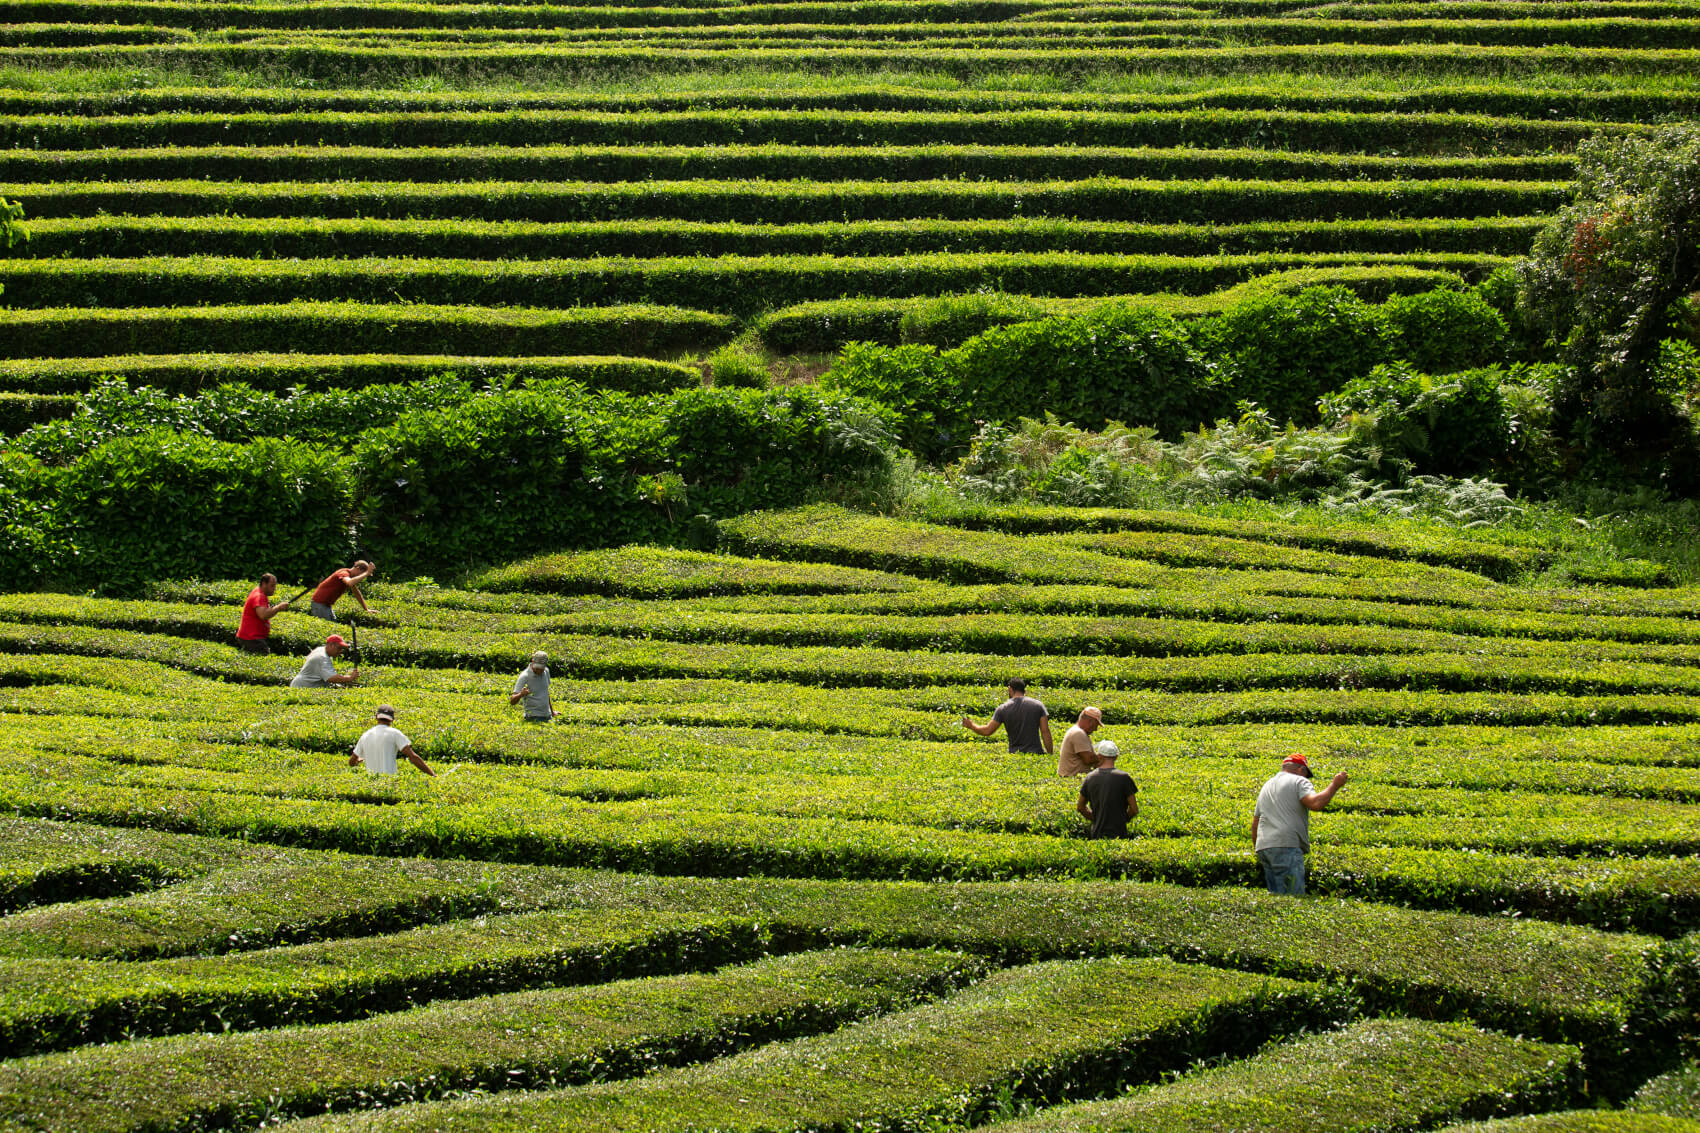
(1283, 870)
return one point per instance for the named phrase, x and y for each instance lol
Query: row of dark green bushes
(486, 478)
(1139, 366)
(289, 237)
(735, 285)
(1347, 131)
(1501, 99)
(44, 337)
(774, 162)
(330, 61)
(43, 388)
(1504, 99)
(191, 190)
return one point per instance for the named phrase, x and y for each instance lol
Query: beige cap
(1095, 713)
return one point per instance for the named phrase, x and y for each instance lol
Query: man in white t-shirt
(379, 745)
(1280, 824)
(319, 671)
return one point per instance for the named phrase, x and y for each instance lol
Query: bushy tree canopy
(1603, 277)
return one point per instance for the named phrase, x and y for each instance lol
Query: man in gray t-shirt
(1024, 719)
(532, 686)
(1280, 824)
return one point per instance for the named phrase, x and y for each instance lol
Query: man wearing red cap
(319, 671)
(1280, 825)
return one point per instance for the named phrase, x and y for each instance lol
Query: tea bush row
(1485, 96)
(1364, 132)
(1361, 1074)
(518, 1040)
(354, 328)
(294, 182)
(735, 285)
(680, 836)
(1554, 981)
(51, 1005)
(325, 59)
(1018, 1037)
(90, 237)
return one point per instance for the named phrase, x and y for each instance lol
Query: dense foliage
(1603, 275)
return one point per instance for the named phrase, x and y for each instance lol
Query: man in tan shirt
(1075, 756)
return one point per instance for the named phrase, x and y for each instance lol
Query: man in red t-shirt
(252, 636)
(339, 583)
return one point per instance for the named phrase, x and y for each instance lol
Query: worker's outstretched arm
(980, 729)
(359, 597)
(413, 758)
(1325, 796)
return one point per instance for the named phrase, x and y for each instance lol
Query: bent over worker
(1280, 823)
(340, 582)
(319, 670)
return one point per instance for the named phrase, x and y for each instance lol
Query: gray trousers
(320, 610)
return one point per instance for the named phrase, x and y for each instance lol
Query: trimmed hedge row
(323, 58)
(376, 328)
(1018, 1038)
(51, 1005)
(192, 373)
(288, 898)
(1200, 128)
(829, 325)
(490, 816)
(786, 202)
(524, 1040)
(1536, 178)
(294, 238)
(1552, 981)
(1392, 1074)
(1506, 99)
(739, 285)
(20, 411)
(659, 572)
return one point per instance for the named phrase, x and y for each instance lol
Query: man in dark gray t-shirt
(1023, 718)
(1108, 797)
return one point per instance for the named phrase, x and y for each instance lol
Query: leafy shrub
(234, 413)
(744, 449)
(1441, 331)
(950, 320)
(165, 503)
(916, 384)
(31, 544)
(1127, 364)
(730, 367)
(1285, 351)
(1456, 425)
(495, 478)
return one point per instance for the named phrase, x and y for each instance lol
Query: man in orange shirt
(339, 583)
(253, 635)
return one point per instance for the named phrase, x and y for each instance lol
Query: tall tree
(1603, 278)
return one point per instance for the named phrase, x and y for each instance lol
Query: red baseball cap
(335, 639)
(1298, 759)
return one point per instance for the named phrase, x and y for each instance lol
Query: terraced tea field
(329, 192)
(756, 876)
